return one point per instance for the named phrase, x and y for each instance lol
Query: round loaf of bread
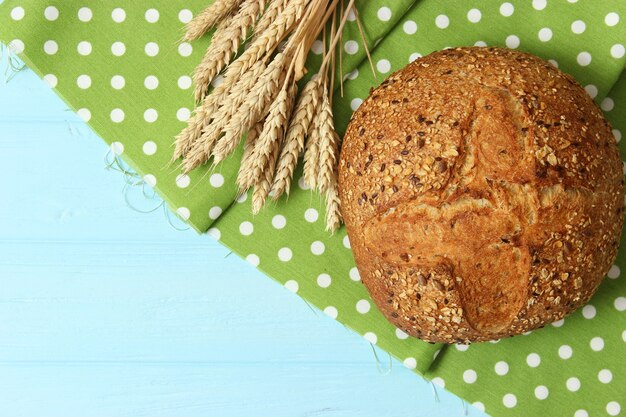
(482, 190)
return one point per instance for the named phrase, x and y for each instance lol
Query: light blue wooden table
(108, 312)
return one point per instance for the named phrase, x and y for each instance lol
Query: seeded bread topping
(482, 190)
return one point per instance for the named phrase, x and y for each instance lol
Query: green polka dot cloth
(122, 67)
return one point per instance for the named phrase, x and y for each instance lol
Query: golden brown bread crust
(482, 190)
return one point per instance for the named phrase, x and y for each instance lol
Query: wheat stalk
(294, 139)
(225, 44)
(268, 145)
(208, 18)
(367, 49)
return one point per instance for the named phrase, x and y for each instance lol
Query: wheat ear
(212, 101)
(203, 114)
(231, 105)
(201, 150)
(264, 45)
(225, 44)
(248, 153)
(216, 58)
(294, 139)
(204, 146)
(269, 40)
(208, 18)
(232, 75)
(329, 145)
(333, 206)
(241, 91)
(193, 130)
(254, 108)
(311, 153)
(274, 9)
(268, 146)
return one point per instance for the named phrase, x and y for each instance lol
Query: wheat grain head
(333, 206)
(225, 44)
(328, 145)
(208, 18)
(268, 146)
(274, 9)
(243, 180)
(256, 105)
(268, 40)
(311, 153)
(203, 147)
(294, 139)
